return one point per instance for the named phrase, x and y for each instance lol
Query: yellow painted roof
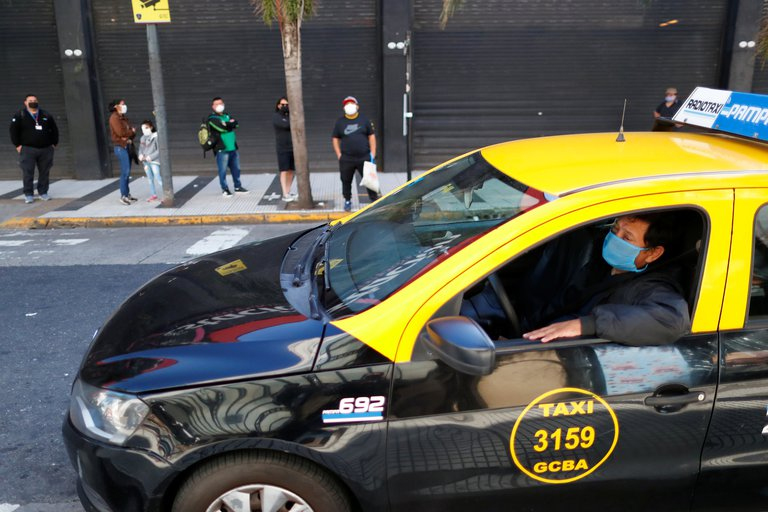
(566, 163)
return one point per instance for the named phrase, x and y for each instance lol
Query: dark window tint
(758, 305)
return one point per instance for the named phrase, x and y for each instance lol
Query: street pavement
(197, 200)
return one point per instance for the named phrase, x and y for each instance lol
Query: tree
(449, 6)
(289, 15)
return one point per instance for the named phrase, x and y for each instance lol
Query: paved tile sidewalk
(198, 200)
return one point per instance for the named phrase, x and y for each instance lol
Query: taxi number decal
(361, 408)
(558, 440)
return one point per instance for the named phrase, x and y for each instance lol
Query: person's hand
(18, 149)
(567, 329)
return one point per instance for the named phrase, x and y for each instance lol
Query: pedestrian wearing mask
(353, 142)
(223, 128)
(284, 143)
(122, 137)
(149, 156)
(35, 135)
(666, 110)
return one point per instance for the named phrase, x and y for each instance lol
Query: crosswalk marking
(217, 241)
(13, 243)
(70, 241)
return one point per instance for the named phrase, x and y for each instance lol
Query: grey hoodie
(148, 147)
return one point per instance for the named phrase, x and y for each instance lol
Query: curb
(189, 220)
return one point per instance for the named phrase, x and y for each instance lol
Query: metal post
(158, 97)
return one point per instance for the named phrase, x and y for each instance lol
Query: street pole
(158, 97)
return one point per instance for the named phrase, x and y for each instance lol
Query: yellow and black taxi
(564, 323)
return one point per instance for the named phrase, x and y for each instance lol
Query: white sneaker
(288, 198)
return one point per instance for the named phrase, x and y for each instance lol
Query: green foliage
(283, 11)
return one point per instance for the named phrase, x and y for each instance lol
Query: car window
(758, 305)
(402, 235)
(567, 277)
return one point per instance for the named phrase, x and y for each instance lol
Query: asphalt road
(56, 288)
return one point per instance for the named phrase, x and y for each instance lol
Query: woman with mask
(284, 145)
(122, 137)
(149, 155)
(354, 142)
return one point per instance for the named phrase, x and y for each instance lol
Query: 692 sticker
(361, 408)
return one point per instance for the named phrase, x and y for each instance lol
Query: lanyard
(35, 116)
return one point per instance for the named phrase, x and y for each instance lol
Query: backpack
(205, 136)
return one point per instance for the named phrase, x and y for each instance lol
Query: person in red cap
(354, 142)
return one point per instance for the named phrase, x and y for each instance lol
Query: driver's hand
(567, 329)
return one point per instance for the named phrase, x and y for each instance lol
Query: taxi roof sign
(739, 113)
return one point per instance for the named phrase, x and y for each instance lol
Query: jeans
(152, 169)
(229, 159)
(125, 170)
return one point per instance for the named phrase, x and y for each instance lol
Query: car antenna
(620, 138)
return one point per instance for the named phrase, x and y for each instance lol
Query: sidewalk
(197, 200)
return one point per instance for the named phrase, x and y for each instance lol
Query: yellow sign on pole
(151, 11)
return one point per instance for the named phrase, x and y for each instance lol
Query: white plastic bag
(370, 177)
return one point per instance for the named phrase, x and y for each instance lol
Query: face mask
(669, 99)
(219, 108)
(33, 104)
(146, 131)
(621, 254)
(350, 109)
(284, 109)
(123, 109)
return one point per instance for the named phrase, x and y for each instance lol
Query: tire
(298, 485)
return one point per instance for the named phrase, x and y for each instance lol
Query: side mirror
(461, 344)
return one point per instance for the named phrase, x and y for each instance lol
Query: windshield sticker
(561, 439)
(231, 268)
(361, 408)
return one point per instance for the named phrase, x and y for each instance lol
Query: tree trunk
(291, 35)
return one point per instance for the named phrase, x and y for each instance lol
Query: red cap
(349, 99)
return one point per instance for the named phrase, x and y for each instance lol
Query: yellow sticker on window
(231, 268)
(564, 435)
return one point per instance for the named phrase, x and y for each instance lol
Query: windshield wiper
(326, 265)
(302, 265)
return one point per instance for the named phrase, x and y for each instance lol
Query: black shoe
(226, 193)
(131, 198)
(241, 190)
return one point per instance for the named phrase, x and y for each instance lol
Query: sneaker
(125, 200)
(288, 198)
(131, 198)
(226, 193)
(45, 197)
(152, 198)
(241, 190)
(347, 206)
(29, 199)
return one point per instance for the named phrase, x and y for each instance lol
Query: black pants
(28, 159)
(347, 168)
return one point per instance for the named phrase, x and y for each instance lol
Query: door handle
(675, 400)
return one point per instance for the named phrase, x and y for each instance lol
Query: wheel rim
(259, 498)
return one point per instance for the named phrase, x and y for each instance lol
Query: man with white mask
(225, 147)
(354, 142)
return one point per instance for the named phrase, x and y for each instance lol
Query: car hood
(219, 317)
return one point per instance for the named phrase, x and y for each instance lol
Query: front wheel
(251, 482)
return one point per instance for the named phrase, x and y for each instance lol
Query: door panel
(451, 436)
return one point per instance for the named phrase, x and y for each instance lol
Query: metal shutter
(220, 48)
(505, 69)
(29, 51)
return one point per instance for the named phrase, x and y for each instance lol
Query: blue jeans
(153, 173)
(125, 170)
(229, 159)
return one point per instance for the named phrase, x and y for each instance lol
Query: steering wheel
(506, 304)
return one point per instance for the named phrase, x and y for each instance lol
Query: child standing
(149, 156)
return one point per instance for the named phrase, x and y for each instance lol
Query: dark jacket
(646, 309)
(24, 133)
(282, 125)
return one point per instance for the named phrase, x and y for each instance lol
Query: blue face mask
(621, 254)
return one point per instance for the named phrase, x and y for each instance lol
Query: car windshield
(373, 255)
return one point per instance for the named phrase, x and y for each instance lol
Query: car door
(734, 466)
(608, 426)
